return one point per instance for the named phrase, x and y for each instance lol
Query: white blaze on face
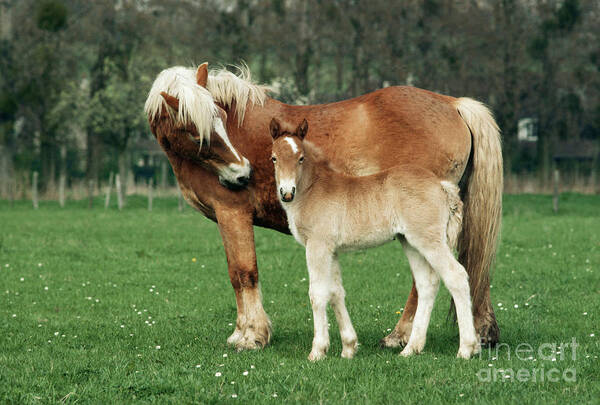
(288, 185)
(233, 171)
(292, 144)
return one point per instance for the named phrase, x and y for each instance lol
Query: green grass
(79, 288)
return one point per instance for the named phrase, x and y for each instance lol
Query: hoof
(490, 334)
(316, 355)
(468, 350)
(394, 340)
(349, 351)
(409, 351)
(487, 328)
(251, 337)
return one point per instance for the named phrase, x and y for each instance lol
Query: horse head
(188, 123)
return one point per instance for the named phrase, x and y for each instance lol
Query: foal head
(191, 125)
(288, 157)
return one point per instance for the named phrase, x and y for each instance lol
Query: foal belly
(366, 240)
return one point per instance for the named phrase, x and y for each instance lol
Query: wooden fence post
(90, 193)
(119, 192)
(150, 196)
(34, 190)
(556, 181)
(62, 180)
(108, 188)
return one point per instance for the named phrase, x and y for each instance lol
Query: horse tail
(482, 186)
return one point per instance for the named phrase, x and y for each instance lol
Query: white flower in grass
(233, 382)
(224, 354)
(198, 365)
(516, 306)
(218, 374)
(585, 313)
(245, 373)
(233, 395)
(274, 395)
(500, 304)
(40, 264)
(46, 288)
(56, 333)
(22, 279)
(252, 367)
(14, 315)
(7, 265)
(592, 335)
(122, 326)
(157, 347)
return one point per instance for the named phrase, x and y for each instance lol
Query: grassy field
(115, 307)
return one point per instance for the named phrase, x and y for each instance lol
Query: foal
(330, 212)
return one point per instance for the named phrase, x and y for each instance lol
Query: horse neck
(315, 172)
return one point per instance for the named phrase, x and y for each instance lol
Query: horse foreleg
(253, 327)
(319, 261)
(401, 333)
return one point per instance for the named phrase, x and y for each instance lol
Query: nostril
(293, 190)
(242, 180)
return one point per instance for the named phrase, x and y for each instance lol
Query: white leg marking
(427, 282)
(318, 260)
(457, 281)
(347, 332)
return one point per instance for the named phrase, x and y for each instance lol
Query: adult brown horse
(455, 138)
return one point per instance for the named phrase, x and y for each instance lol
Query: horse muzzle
(287, 195)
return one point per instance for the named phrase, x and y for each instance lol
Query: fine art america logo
(550, 352)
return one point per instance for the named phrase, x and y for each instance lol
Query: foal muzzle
(287, 195)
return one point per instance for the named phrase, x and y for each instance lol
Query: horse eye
(274, 159)
(301, 159)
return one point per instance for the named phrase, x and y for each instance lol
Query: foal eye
(301, 159)
(274, 159)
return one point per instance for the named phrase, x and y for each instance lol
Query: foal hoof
(468, 350)
(316, 355)
(408, 351)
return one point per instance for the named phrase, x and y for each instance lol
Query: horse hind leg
(347, 332)
(427, 284)
(455, 278)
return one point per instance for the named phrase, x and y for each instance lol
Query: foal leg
(319, 261)
(456, 280)
(427, 284)
(347, 332)
(253, 326)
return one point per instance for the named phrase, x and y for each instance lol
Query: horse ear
(173, 102)
(302, 129)
(275, 129)
(202, 74)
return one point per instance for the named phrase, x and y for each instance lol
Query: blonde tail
(482, 199)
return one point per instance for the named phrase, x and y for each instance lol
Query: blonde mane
(196, 103)
(227, 87)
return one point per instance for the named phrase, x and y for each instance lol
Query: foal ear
(302, 129)
(275, 129)
(173, 102)
(202, 74)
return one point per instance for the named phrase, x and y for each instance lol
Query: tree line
(74, 74)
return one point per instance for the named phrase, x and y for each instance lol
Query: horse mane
(196, 104)
(227, 87)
